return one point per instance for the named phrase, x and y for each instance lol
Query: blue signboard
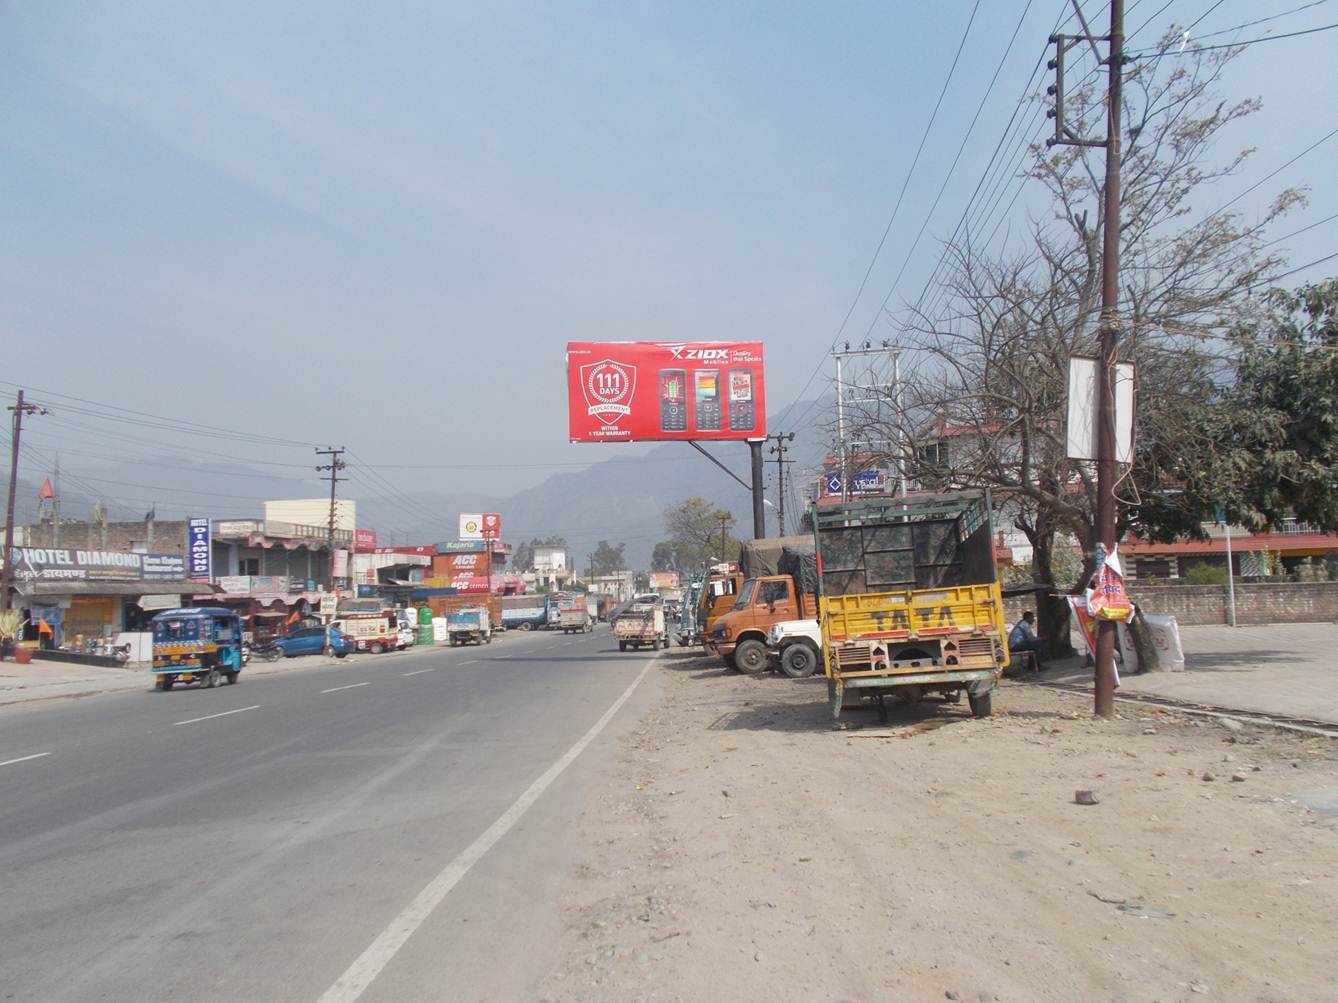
(199, 550)
(863, 483)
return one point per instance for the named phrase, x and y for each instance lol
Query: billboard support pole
(759, 511)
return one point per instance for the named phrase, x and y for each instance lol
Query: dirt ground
(745, 850)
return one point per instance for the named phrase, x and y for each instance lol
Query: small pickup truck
(641, 624)
(795, 647)
(573, 617)
(469, 625)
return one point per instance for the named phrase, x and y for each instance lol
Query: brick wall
(1256, 602)
(169, 537)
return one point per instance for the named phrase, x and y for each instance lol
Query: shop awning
(115, 588)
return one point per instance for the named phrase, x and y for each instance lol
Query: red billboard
(364, 541)
(643, 391)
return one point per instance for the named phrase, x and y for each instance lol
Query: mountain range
(621, 499)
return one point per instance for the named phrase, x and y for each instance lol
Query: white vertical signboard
(1081, 437)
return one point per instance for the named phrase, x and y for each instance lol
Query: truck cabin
(773, 595)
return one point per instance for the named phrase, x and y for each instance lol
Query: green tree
(523, 558)
(1282, 411)
(664, 557)
(608, 559)
(697, 529)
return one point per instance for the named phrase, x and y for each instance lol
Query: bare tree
(983, 403)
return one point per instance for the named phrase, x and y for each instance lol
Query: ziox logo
(699, 354)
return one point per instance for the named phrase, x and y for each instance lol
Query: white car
(795, 647)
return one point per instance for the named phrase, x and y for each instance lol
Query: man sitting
(1022, 638)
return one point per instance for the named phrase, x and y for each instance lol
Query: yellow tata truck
(910, 599)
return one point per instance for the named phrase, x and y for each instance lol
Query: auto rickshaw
(196, 645)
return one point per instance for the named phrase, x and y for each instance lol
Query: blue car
(315, 641)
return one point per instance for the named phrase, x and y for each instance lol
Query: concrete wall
(161, 537)
(313, 512)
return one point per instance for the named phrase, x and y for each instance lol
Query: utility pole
(20, 408)
(723, 520)
(334, 466)
(55, 508)
(778, 450)
(874, 393)
(1109, 329)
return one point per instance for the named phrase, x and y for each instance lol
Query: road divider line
(350, 686)
(472, 661)
(359, 975)
(24, 759)
(419, 672)
(210, 717)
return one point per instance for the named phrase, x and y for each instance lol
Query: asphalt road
(385, 829)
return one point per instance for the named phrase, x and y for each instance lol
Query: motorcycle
(246, 652)
(270, 652)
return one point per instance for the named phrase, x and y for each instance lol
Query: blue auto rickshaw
(196, 645)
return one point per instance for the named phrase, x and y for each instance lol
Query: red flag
(45, 492)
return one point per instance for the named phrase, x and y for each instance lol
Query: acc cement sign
(199, 550)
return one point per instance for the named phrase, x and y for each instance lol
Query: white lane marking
(210, 717)
(350, 686)
(24, 759)
(419, 672)
(472, 661)
(354, 982)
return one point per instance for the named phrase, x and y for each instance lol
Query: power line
(952, 167)
(1297, 233)
(112, 412)
(896, 208)
(1235, 45)
(1262, 20)
(1299, 268)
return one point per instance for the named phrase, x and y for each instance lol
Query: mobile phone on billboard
(742, 417)
(673, 400)
(707, 402)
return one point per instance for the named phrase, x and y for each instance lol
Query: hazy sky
(378, 224)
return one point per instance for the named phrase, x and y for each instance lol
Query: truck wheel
(981, 706)
(527, 626)
(750, 656)
(211, 680)
(168, 681)
(158, 684)
(799, 661)
(622, 645)
(232, 678)
(377, 647)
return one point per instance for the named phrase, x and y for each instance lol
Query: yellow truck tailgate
(967, 620)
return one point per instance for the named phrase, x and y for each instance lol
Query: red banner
(641, 391)
(364, 541)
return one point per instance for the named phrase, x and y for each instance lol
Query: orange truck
(719, 593)
(781, 578)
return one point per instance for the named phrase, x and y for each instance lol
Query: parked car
(316, 641)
